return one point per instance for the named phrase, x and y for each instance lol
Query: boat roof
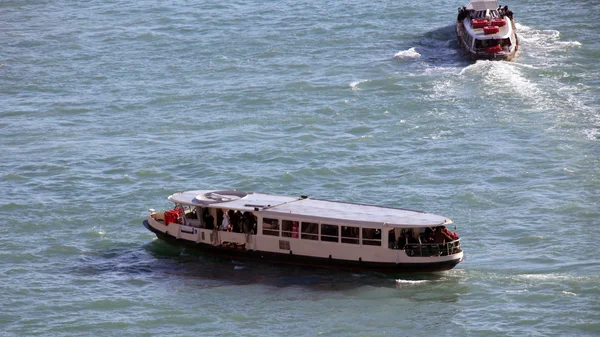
(481, 5)
(304, 208)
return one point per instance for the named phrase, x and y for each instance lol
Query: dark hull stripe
(292, 259)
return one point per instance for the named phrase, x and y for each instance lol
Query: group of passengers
(439, 234)
(502, 12)
(463, 13)
(435, 235)
(231, 221)
(405, 237)
(505, 12)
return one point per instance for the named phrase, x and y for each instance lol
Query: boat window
(191, 217)
(289, 229)
(271, 227)
(481, 44)
(310, 230)
(350, 234)
(329, 233)
(371, 236)
(188, 212)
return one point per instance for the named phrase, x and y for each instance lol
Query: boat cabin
(314, 231)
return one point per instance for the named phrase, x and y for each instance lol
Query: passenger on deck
(391, 239)
(219, 218)
(232, 219)
(253, 221)
(427, 237)
(209, 220)
(448, 233)
(235, 224)
(191, 215)
(247, 222)
(402, 239)
(439, 236)
(462, 14)
(225, 222)
(508, 13)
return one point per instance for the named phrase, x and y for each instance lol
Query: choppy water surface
(107, 107)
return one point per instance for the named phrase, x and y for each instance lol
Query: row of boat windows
(479, 44)
(305, 230)
(291, 229)
(482, 44)
(332, 233)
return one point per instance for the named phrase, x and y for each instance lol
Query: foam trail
(410, 53)
(401, 281)
(354, 85)
(506, 75)
(541, 42)
(503, 77)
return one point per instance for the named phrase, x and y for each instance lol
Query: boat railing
(432, 249)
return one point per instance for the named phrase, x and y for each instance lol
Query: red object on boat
(479, 23)
(171, 216)
(494, 49)
(498, 22)
(490, 30)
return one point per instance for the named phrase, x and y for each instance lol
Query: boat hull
(302, 260)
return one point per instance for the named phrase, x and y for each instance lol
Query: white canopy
(481, 5)
(304, 208)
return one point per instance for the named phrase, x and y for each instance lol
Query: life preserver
(490, 30)
(478, 23)
(498, 22)
(172, 216)
(493, 49)
(295, 229)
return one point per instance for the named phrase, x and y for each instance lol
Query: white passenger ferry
(306, 231)
(487, 31)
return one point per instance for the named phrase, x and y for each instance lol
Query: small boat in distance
(306, 231)
(486, 30)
